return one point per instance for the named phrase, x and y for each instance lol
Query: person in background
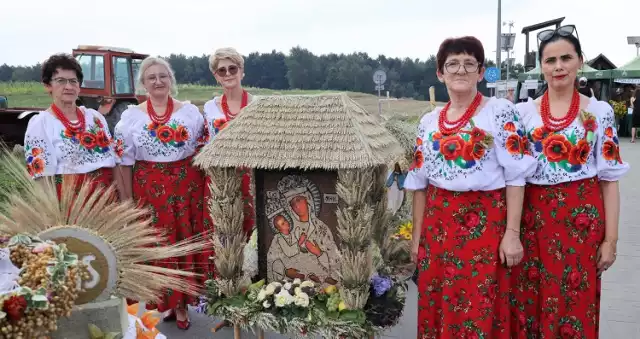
(635, 117)
(572, 200)
(227, 67)
(583, 87)
(66, 140)
(468, 177)
(155, 143)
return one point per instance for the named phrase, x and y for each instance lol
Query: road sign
(379, 87)
(379, 77)
(492, 74)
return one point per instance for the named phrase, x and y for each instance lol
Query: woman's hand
(606, 255)
(415, 246)
(511, 251)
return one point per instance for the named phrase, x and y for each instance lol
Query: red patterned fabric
(463, 288)
(102, 176)
(556, 286)
(174, 193)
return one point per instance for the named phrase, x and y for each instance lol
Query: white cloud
(30, 30)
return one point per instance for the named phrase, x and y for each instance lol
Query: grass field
(32, 94)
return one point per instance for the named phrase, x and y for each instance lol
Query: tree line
(301, 69)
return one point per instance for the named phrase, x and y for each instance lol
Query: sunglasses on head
(562, 31)
(222, 71)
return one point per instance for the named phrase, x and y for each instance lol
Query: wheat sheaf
(32, 207)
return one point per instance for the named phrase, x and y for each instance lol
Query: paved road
(620, 318)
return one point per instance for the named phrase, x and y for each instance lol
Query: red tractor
(109, 86)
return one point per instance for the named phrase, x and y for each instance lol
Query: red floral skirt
(100, 177)
(556, 286)
(463, 289)
(248, 221)
(174, 193)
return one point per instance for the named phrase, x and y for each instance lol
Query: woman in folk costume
(469, 171)
(570, 216)
(155, 142)
(227, 66)
(66, 140)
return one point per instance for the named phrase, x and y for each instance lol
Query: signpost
(379, 78)
(634, 40)
(492, 74)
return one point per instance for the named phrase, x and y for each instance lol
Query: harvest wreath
(38, 285)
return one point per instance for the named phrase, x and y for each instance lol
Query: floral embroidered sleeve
(38, 149)
(607, 151)
(124, 147)
(512, 145)
(417, 178)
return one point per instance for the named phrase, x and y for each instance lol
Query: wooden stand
(260, 333)
(236, 332)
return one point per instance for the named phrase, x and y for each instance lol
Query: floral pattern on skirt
(556, 287)
(463, 290)
(173, 192)
(102, 176)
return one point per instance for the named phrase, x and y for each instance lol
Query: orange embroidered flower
(165, 133)
(451, 147)
(608, 132)
(181, 134)
(119, 148)
(36, 151)
(418, 160)
(37, 166)
(579, 153)
(418, 142)
(437, 136)
(98, 122)
(102, 140)
(524, 143)
(219, 124)
(539, 134)
(610, 151)
(556, 148)
(478, 151)
(467, 151)
(69, 134)
(509, 126)
(514, 144)
(477, 134)
(88, 140)
(590, 125)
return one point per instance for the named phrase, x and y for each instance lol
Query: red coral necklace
(153, 115)
(75, 127)
(225, 105)
(456, 125)
(554, 124)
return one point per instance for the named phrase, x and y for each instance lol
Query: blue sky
(401, 28)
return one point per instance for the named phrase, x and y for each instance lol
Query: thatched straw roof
(405, 132)
(328, 131)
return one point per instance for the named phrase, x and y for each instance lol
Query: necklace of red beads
(153, 115)
(456, 125)
(554, 124)
(225, 105)
(74, 127)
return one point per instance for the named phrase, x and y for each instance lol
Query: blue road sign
(492, 74)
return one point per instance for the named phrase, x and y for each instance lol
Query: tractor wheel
(114, 116)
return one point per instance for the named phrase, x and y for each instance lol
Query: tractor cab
(109, 83)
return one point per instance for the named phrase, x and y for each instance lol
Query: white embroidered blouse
(51, 149)
(573, 154)
(137, 138)
(215, 118)
(487, 154)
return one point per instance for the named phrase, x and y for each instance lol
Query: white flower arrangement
(284, 294)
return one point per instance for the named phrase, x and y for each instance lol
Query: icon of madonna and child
(303, 245)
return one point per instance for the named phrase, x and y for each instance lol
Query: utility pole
(499, 36)
(507, 46)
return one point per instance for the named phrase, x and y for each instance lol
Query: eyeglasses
(157, 77)
(469, 67)
(222, 71)
(65, 81)
(562, 31)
